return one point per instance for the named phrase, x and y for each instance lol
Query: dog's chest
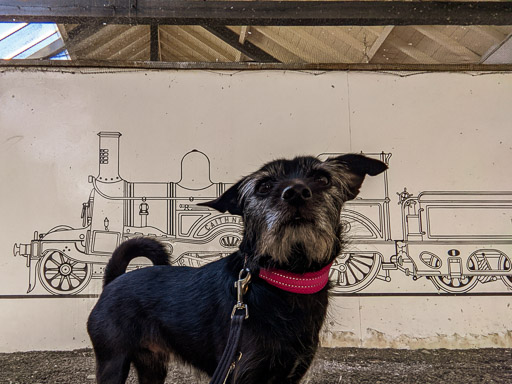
(284, 315)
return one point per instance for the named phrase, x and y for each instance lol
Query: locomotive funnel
(109, 157)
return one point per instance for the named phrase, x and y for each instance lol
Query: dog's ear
(228, 201)
(355, 168)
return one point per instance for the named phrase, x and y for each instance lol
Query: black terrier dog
(292, 234)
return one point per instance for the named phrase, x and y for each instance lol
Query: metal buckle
(232, 367)
(241, 285)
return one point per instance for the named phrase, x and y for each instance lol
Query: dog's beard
(312, 242)
(282, 235)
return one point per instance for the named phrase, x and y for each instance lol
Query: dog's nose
(296, 193)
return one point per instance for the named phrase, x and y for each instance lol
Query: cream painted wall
(446, 132)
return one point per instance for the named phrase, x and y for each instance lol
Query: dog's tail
(129, 250)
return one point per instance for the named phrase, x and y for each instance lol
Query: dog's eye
(322, 180)
(264, 188)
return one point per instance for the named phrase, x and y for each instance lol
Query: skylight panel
(21, 40)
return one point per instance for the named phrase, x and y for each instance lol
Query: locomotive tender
(455, 239)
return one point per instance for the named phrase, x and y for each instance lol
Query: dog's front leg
(254, 367)
(299, 369)
(111, 369)
(259, 369)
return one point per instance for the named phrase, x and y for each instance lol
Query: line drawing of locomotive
(455, 239)
(65, 259)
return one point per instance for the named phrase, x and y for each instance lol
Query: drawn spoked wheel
(505, 265)
(457, 284)
(352, 272)
(61, 275)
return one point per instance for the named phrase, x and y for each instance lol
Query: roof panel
(24, 38)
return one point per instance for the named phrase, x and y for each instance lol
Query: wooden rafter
(378, 43)
(136, 44)
(499, 54)
(272, 33)
(270, 45)
(201, 40)
(247, 48)
(154, 50)
(243, 35)
(78, 35)
(348, 38)
(121, 37)
(172, 39)
(411, 51)
(318, 47)
(447, 42)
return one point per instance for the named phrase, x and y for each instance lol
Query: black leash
(240, 312)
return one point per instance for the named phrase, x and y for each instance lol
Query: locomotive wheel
(454, 285)
(505, 265)
(61, 275)
(457, 284)
(352, 272)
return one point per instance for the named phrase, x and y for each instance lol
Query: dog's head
(291, 208)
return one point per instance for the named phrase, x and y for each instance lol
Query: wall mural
(456, 240)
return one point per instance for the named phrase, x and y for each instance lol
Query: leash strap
(240, 313)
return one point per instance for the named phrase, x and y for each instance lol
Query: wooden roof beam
(259, 13)
(78, 35)
(500, 53)
(135, 45)
(202, 40)
(319, 48)
(243, 36)
(173, 41)
(272, 45)
(154, 45)
(247, 48)
(448, 43)
(411, 51)
(378, 43)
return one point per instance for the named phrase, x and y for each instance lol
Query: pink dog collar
(307, 283)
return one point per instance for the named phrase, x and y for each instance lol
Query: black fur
(144, 316)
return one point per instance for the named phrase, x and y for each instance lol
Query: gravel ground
(332, 366)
